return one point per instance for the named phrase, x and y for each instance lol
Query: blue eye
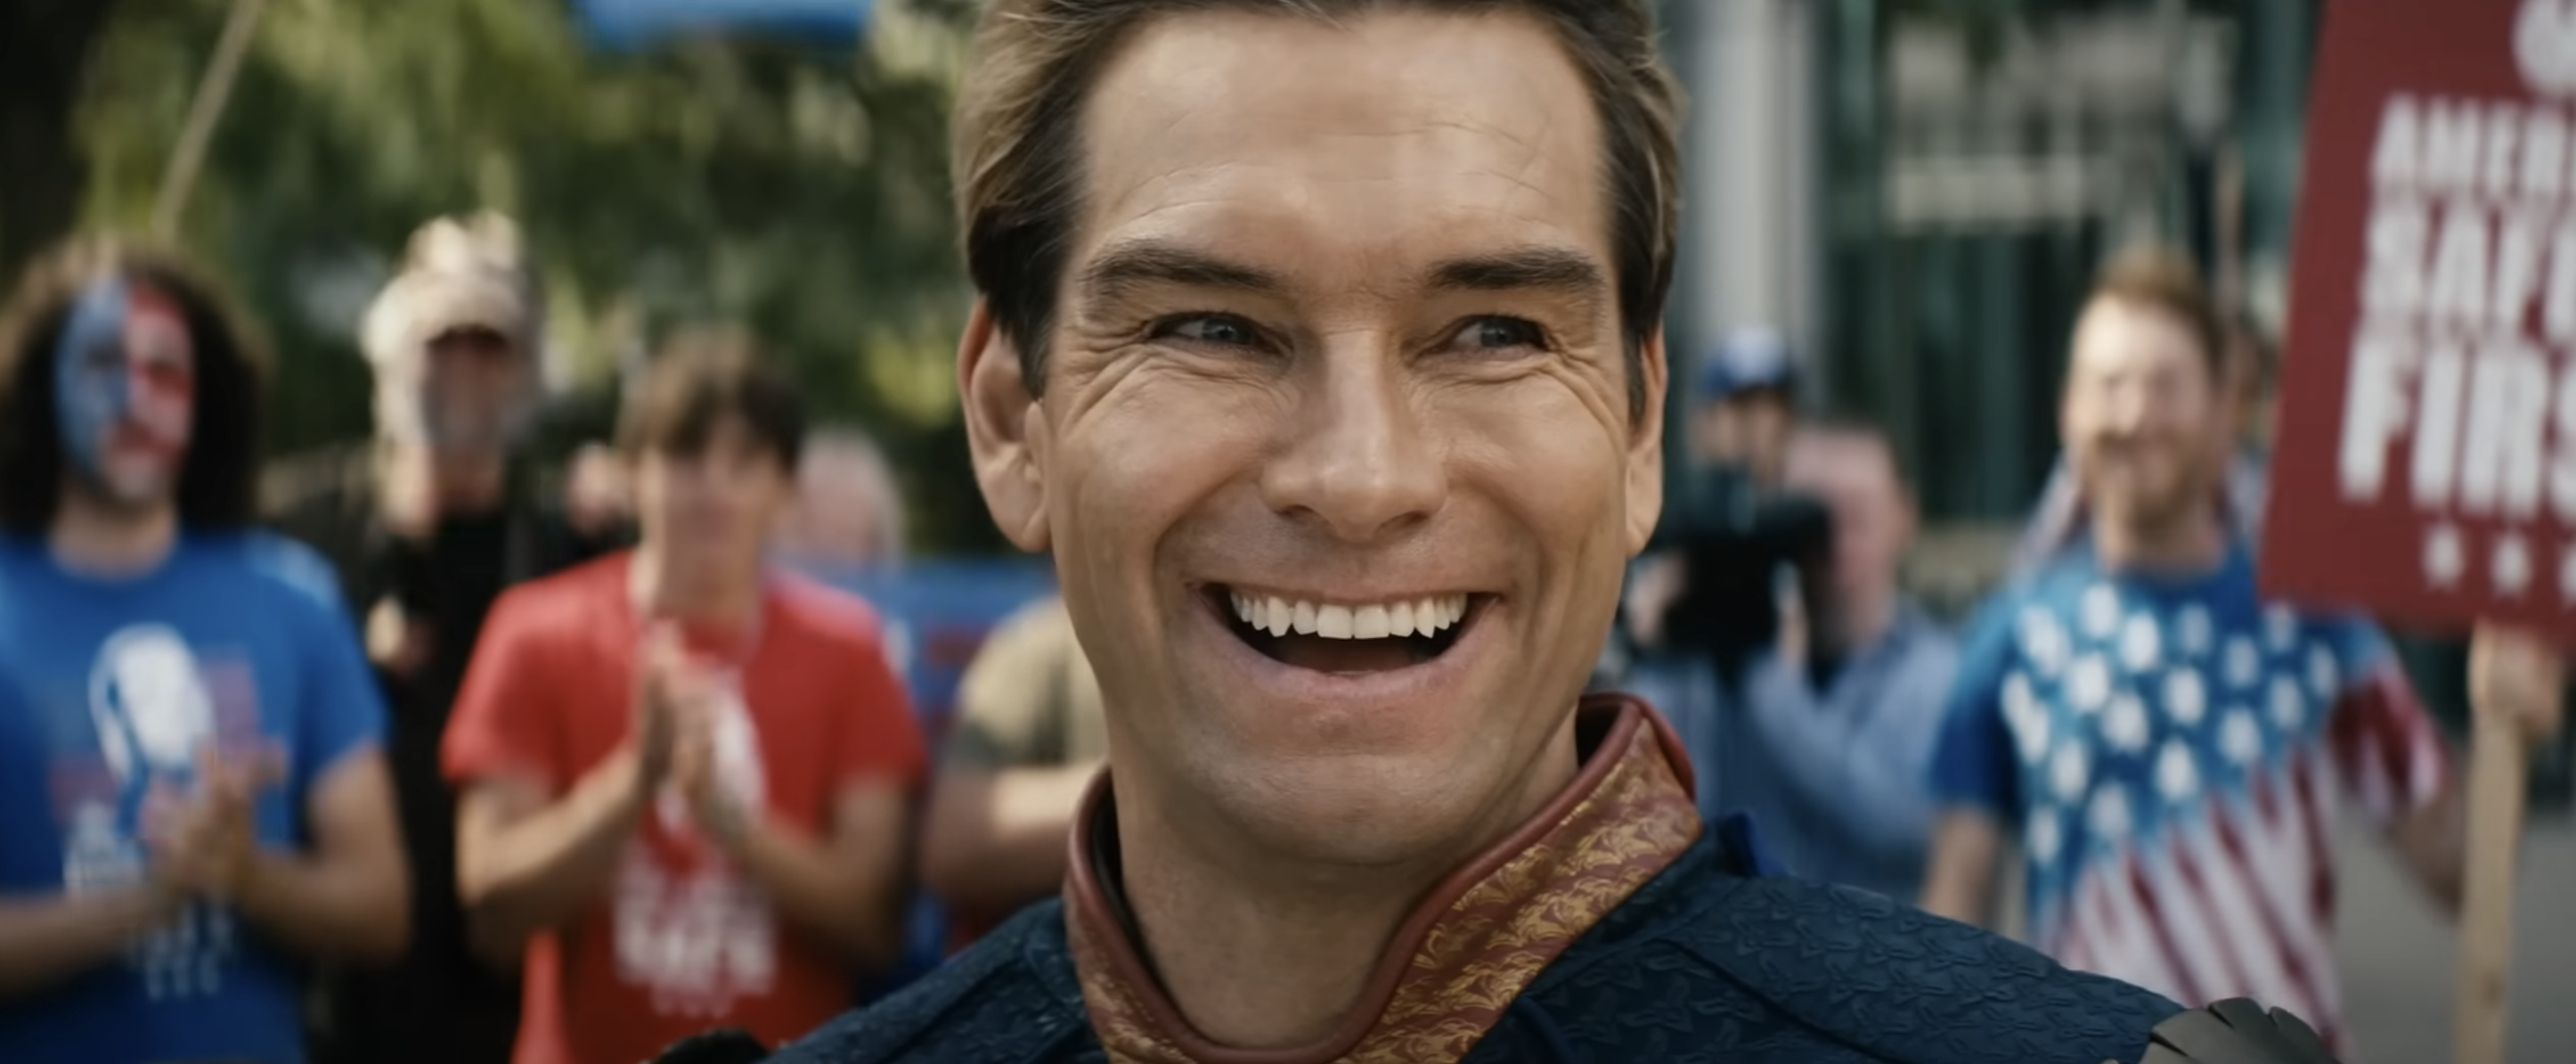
(1220, 330)
(1494, 333)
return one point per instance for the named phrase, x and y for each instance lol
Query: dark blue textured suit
(1718, 960)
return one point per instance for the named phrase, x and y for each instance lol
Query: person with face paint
(193, 801)
(426, 524)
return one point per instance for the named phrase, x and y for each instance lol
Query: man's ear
(1005, 430)
(1646, 444)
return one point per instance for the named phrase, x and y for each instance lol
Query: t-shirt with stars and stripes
(2166, 749)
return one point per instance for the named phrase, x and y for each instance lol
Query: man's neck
(698, 590)
(91, 536)
(1203, 902)
(2189, 542)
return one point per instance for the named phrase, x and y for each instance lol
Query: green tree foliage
(796, 189)
(43, 46)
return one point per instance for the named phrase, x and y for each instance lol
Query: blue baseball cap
(1747, 360)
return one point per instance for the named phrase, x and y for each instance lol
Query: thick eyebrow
(1549, 268)
(1124, 268)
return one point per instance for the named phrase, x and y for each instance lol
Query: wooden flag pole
(213, 92)
(2495, 794)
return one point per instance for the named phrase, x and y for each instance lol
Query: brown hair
(1017, 155)
(2163, 280)
(219, 476)
(700, 378)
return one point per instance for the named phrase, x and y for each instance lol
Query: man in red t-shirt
(685, 781)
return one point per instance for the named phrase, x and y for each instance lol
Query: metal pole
(213, 92)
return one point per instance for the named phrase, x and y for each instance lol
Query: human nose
(2128, 407)
(1361, 464)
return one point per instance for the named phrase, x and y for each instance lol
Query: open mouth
(1336, 638)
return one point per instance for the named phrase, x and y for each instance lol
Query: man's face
(1338, 351)
(1855, 477)
(126, 394)
(838, 517)
(472, 391)
(718, 503)
(2142, 417)
(1748, 430)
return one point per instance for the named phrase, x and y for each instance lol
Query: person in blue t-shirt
(193, 800)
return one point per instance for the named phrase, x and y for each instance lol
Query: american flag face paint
(125, 389)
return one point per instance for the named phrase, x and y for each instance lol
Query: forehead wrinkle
(1230, 105)
(1246, 159)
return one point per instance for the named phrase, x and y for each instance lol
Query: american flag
(2179, 749)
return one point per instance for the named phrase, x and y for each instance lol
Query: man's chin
(128, 490)
(2147, 510)
(466, 440)
(1364, 812)
(1432, 793)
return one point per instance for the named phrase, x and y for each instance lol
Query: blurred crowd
(539, 681)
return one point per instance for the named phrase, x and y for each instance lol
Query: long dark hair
(218, 478)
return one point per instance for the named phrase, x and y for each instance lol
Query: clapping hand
(662, 684)
(204, 844)
(679, 698)
(696, 770)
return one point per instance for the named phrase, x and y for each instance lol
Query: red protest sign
(2427, 461)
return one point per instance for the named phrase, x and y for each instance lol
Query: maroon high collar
(1474, 944)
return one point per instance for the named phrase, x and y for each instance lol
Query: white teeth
(1279, 616)
(1333, 622)
(1369, 622)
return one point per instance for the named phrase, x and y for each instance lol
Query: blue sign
(937, 614)
(629, 25)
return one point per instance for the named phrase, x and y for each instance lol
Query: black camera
(1745, 551)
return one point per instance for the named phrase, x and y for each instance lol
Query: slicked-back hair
(1017, 159)
(218, 476)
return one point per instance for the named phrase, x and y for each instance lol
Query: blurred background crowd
(480, 220)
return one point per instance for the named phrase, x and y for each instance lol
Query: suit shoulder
(1912, 988)
(1009, 997)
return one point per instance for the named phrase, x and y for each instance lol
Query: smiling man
(2165, 746)
(194, 801)
(1319, 342)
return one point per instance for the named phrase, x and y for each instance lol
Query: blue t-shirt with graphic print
(108, 688)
